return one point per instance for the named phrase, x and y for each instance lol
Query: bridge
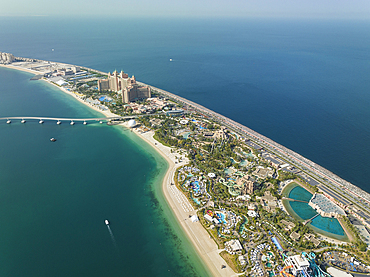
(310, 219)
(59, 120)
(295, 200)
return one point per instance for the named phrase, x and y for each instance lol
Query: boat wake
(112, 237)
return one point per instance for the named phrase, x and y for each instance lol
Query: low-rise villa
(263, 173)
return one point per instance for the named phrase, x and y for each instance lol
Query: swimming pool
(196, 200)
(243, 163)
(186, 135)
(196, 187)
(221, 217)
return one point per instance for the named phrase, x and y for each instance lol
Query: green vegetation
(358, 242)
(232, 261)
(211, 148)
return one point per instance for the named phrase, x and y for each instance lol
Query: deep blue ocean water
(302, 83)
(55, 196)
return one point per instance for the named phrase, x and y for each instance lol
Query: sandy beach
(106, 113)
(205, 246)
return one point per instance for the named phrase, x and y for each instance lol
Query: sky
(339, 9)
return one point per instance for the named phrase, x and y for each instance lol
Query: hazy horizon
(327, 9)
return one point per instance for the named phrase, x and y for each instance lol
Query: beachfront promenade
(353, 193)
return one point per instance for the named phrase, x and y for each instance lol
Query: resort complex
(125, 86)
(254, 207)
(325, 207)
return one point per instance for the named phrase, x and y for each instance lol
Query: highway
(324, 176)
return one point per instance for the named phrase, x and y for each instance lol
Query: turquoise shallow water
(301, 82)
(55, 196)
(302, 211)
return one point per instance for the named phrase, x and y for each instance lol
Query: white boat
(59, 122)
(8, 121)
(106, 222)
(101, 122)
(23, 121)
(72, 123)
(85, 123)
(53, 139)
(41, 121)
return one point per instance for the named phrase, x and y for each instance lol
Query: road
(324, 176)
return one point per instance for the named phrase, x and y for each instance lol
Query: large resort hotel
(325, 207)
(124, 85)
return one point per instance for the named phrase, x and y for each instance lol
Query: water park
(193, 182)
(237, 183)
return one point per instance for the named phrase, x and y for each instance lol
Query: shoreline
(205, 246)
(207, 252)
(198, 235)
(324, 178)
(105, 113)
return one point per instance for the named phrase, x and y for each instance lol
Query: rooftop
(235, 245)
(326, 205)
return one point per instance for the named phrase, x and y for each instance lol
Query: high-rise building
(121, 83)
(114, 82)
(75, 69)
(134, 92)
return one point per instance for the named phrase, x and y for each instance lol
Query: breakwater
(324, 178)
(322, 174)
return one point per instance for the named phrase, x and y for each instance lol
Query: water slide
(283, 273)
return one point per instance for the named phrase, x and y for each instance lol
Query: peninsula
(247, 203)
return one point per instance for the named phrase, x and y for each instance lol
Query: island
(249, 205)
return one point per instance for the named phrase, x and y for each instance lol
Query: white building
(252, 213)
(325, 207)
(299, 264)
(211, 175)
(208, 217)
(233, 246)
(337, 273)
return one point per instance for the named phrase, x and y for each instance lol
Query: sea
(301, 82)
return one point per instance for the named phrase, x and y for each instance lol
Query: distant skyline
(340, 9)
